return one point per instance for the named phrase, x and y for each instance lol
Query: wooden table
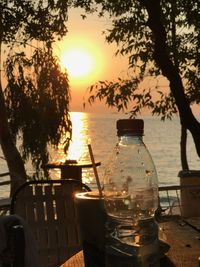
(183, 236)
(184, 240)
(70, 168)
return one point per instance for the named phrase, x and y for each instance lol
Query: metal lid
(130, 126)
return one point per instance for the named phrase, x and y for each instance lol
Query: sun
(83, 59)
(78, 62)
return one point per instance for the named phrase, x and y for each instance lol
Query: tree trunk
(11, 154)
(183, 145)
(162, 59)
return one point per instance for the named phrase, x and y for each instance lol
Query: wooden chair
(48, 208)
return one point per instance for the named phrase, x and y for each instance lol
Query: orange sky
(87, 34)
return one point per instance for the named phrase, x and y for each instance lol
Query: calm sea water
(161, 138)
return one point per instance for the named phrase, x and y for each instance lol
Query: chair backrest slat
(49, 209)
(23, 206)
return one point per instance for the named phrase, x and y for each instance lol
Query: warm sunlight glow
(78, 148)
(78, 62)
(83, 59)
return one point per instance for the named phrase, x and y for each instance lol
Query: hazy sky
(90, 58)
(85, 36)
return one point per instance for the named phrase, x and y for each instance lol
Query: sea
(162, 139)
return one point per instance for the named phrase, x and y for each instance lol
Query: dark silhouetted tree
(34, 104)
(161, 39)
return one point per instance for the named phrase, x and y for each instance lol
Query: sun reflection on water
(78, 145)
(78, 149)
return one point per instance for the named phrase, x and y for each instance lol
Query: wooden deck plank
(193, 222)
(184, 242)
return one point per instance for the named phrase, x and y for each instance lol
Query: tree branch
(162, 59)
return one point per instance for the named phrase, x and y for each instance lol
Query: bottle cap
(130, 126)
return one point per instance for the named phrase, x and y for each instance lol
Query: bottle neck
(130, 139)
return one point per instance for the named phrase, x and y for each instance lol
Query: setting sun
(78, 62)
(82, 59)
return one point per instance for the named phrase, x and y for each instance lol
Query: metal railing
(176, 199)
(4, 202)
(173, 198)
(3, 175)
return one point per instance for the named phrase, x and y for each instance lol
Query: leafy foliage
(37, 100)
(40, 20)
(134, 39)
(37, 94)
